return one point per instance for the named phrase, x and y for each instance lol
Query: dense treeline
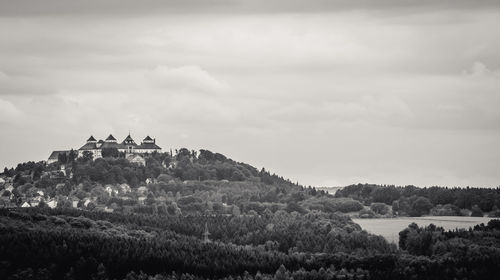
(281, 231)
(58, 244)
(439, 201)
(480, 241)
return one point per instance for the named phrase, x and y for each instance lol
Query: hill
(201, 215)
(188, 182)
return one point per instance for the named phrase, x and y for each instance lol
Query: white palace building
(127, 146)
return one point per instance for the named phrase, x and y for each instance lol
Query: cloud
(23, 84)
(367, 109)
(8, 112)
(479, 69)
(189, 77)
(131, 7)
(372, 92)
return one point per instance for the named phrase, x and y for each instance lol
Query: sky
(325, 93)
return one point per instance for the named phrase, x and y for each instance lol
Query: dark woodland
(201, 215)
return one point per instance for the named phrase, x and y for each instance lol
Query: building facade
(127, 146)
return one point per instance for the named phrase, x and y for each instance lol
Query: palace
(127, 146)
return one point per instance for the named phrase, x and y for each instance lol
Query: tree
(72, 156)
(236, 210)
(476, 211)
(87, 156)
(420, 206)
(292, 206)
(62, 158)
(379, 208)
(281, 273)
(110, 152)
(101, 273)
(386, 194)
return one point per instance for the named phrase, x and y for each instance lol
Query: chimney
(154, 141)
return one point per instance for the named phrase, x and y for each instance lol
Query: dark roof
(88, 146)
(148, 146)
(129, 141)
(91, 139)
(147, 138)
(100, 141)
(112, 145)
(55, 154)
(110, 138)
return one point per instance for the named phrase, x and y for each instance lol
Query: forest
(415, 201)
(76, 244)
(201, 215)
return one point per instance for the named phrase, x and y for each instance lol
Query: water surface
(389, 228)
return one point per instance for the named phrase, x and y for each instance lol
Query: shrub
(420, 206)
(347, 205)
(379, 208)
(445, 210)
(366, 214)
(476, 211)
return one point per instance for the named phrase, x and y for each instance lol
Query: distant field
(389, 228)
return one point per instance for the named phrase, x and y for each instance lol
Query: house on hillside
(125, 188)
(52, 203)
(135, 158)
(10, 188)
(141, 199)
(142, 190)
(151, 181)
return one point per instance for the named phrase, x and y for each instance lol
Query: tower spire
(206, 234)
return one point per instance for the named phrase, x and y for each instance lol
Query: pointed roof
(129, 138)
(148, 146)
(55, 154)
(111, 138)
(129, 141)
(148, 138)
(88, 146)
(91, 139)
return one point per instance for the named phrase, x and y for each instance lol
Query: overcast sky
(325, 93)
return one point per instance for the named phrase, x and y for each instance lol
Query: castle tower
(206, 234)
(91, 140)
(129, 144)
(110, 139)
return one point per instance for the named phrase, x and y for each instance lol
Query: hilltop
(187, 182)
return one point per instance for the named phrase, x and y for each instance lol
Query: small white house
(135, 158)
(142, 190)
(52, 203)
(141, 199)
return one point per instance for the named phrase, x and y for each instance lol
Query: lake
(389, 228)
